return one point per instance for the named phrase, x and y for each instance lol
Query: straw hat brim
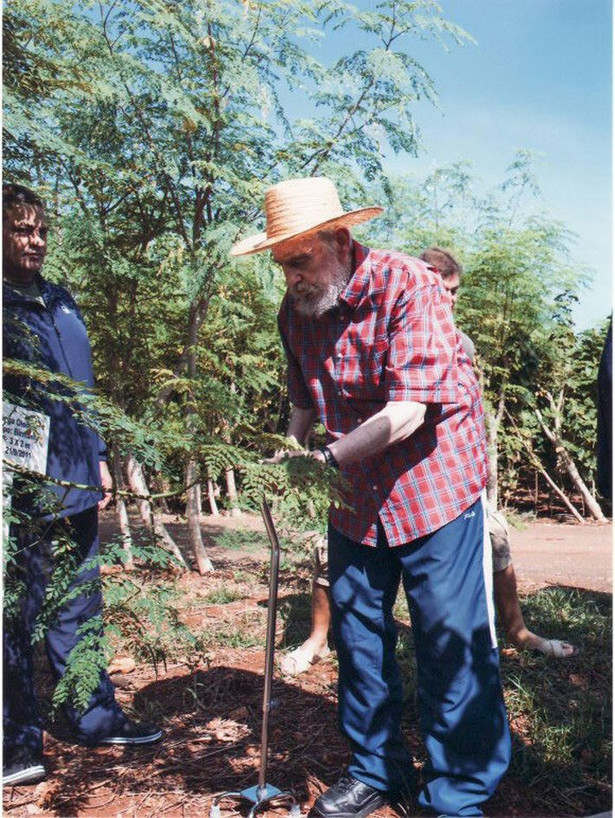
(260, 241)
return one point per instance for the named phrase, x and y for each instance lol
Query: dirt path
(559, 554)
(544, 553)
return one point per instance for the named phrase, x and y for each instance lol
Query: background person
(504, 578)
(43, 326)
(604, 431)
(316, 646)
(372, 350)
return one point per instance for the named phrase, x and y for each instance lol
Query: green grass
(562, 709)
(520, 520)
(224, 595)
(242, 539)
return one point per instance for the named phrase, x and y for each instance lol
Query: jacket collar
(49, 291)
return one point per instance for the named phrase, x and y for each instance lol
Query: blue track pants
(462, 714)
(22, 722)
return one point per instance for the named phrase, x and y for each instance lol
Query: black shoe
(23, 768)
(348, 798)
(132, 732)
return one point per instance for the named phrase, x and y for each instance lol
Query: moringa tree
(157, 133)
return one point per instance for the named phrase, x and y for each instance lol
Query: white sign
(25, 437)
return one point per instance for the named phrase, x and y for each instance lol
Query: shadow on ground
(212, 721)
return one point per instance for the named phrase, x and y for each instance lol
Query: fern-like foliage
(88, 659)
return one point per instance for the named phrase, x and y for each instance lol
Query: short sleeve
(422, 359)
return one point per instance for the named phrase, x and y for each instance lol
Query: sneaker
(133, 732)
(25, 768)
(348, 798)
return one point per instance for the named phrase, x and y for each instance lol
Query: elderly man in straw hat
(373, 352)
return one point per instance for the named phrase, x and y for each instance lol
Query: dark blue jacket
(54, 337)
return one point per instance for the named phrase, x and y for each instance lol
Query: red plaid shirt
(392, 338)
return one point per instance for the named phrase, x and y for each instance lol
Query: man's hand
(300, 423)
(285, 454)
(298, 449)
(106, 481)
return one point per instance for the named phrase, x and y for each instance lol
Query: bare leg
(511, 617)
(321, 618)
(315, 646)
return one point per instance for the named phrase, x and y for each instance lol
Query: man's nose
(38, 239)
(292, 275)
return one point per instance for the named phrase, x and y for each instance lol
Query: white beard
(313, 301)
(317, 304)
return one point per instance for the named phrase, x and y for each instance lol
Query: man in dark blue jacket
(43, 327)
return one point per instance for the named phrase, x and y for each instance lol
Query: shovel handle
(274, 566)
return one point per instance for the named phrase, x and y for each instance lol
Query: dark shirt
(605, 417)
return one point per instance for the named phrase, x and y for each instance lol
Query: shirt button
(374, 488)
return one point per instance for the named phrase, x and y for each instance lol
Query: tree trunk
(211, 497)
(493, 421)
(152, 518)
(231, 490)
(112, 294)
(492, 461)
(229, 473)
(538, 466)
(122, 511)
(562, 496)
(199, 499)
(565, 458)
(193, 518)
(571, 467)
(193, 510)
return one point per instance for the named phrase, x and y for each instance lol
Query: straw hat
(301, 206)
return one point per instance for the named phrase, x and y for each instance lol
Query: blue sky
(539, 77)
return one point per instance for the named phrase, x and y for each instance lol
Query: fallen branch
(538, 466)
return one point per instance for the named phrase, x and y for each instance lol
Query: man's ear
(343, 243)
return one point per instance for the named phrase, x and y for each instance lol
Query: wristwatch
(329, 458)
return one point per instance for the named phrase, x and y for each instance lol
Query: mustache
(317, 301)
(303, 289)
